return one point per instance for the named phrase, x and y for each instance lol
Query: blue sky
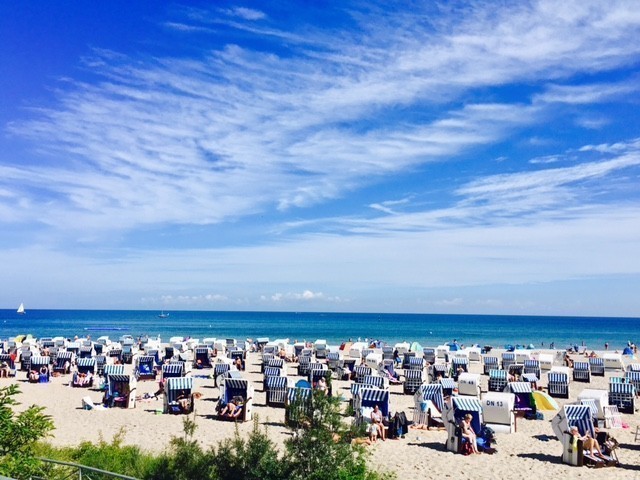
(474, 157)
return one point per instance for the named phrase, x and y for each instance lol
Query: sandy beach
(531, 450)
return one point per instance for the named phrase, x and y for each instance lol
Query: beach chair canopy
(276, 382)
(369, 397)
(433, 392)
(573, 415)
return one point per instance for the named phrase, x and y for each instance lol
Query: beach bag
(467, 449)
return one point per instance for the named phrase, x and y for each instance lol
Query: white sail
(21, 309)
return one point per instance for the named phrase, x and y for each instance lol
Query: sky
(362, 156)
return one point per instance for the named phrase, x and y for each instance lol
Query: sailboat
(21, 309)
(163, 315)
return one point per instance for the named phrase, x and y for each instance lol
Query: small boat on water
(21, 310)
(163, 315)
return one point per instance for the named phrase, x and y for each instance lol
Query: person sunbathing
(231, 410)
(589, 444)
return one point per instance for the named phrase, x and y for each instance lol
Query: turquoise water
(429, 330)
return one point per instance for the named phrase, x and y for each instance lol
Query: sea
(427, 329)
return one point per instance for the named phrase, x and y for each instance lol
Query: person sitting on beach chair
(468, 433)
(232, 410)
(34, 376)
(589, 444)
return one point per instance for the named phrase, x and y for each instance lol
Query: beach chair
(178, 397)
(532, 366)
(623, 396)
(387, 353)
(375, 381)
(276, 391)
(429, 355)
(469, 384)
(360, 371)
(558, 384)
(367, 398)
(172, 370)
(429, 405)
(25, 359)
(98, 348)
(298, 407)
(6, 359)
(113, 370)
(333, 359)
(582, 372)
(270, 372)
(438, 370)
(497, 380)
(220, 372)
(460, 406)
(266, 358)
(412, 381)
(202, 357)
(498, 411)
(345, 368)
(39, 365)
(63, 362)
(303, 366)
(101, 361)
(240, 391)
(633, 377)
(490, 363)
(416, 363)
(316, 374)
(524, 404)
(515, 370)
(121, 390)
(597, 367)
(320, 348)
(85, 352)
(449, 386)
(145, 368)
(508, 359)
(458, 366)
(115, 354)
(406, 358)
(276, 362)
(86, 367)
(573, 453)
(531, 379)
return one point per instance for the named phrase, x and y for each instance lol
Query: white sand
(532, 450)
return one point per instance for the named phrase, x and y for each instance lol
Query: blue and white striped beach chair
(438, 370)
(63, 362)
(597, 367)
(266, 358)
(429, 405)
(85, 352)
(176, 389)
(558, 384)
(112, 370)
(268, 373)
(354, 388)
(366, 399)
(237, 388)
(86, 365)
(406, 359)
(429, 355)
(374, 381)
(101, 361)
(303, 365)
(416, 363)
(623, 396)
(458, 366)
(524, 402)
(145, 367)
(490, 363)
(497, 380)
(508, 359)
(220, 372)
(532, 366)
(412, 381)
(115, 354)
(276, 391)
(298, 407)
(40, 364)
(532, 379)
(593, 406)
(172, 370)
(387, 353)
(582, 372)
(333, 359)
(632, 377)
(202, 357)
(448, 386)
(361, 371)
(276, 362)
(121, 390)
(461, 406)
(316, 374)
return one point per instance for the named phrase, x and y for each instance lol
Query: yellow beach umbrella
(544, 401)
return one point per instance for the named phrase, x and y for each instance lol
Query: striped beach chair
(145, 368)
(508, 359)
(276, 362)
(361, 371)
(448, 386)
(524, 403)
(101, 361)
(412, 381)
(406, 358)
(304, 363)
(497, 380)
(558, 384)
(460, 406)
(623, 396)
(387, 353)
(115, 354)
(375, 381)
(112, 370)
(632, 377)
(582, 372)
(85, 352)
(439, 370)
(458, 366)
(333, 359)
(220, 372)
(121, 390)
(176, 388)
(276, 391)
(633, 367)
(316, 374)
(532, 366)
(237, 388)
(532, 379)
(597, 367)
(298, 406)
(416, 363)
(266, 358)
(202, 357)
(366, 399)
(172, 370)
(354, 388)
(429, 405)
(86, 365)
(515, 370)
(61, 362)
(429, 355)
(490, 363)
(268, 373)
(40, 364)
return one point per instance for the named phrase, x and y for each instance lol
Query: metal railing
(68, 470)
